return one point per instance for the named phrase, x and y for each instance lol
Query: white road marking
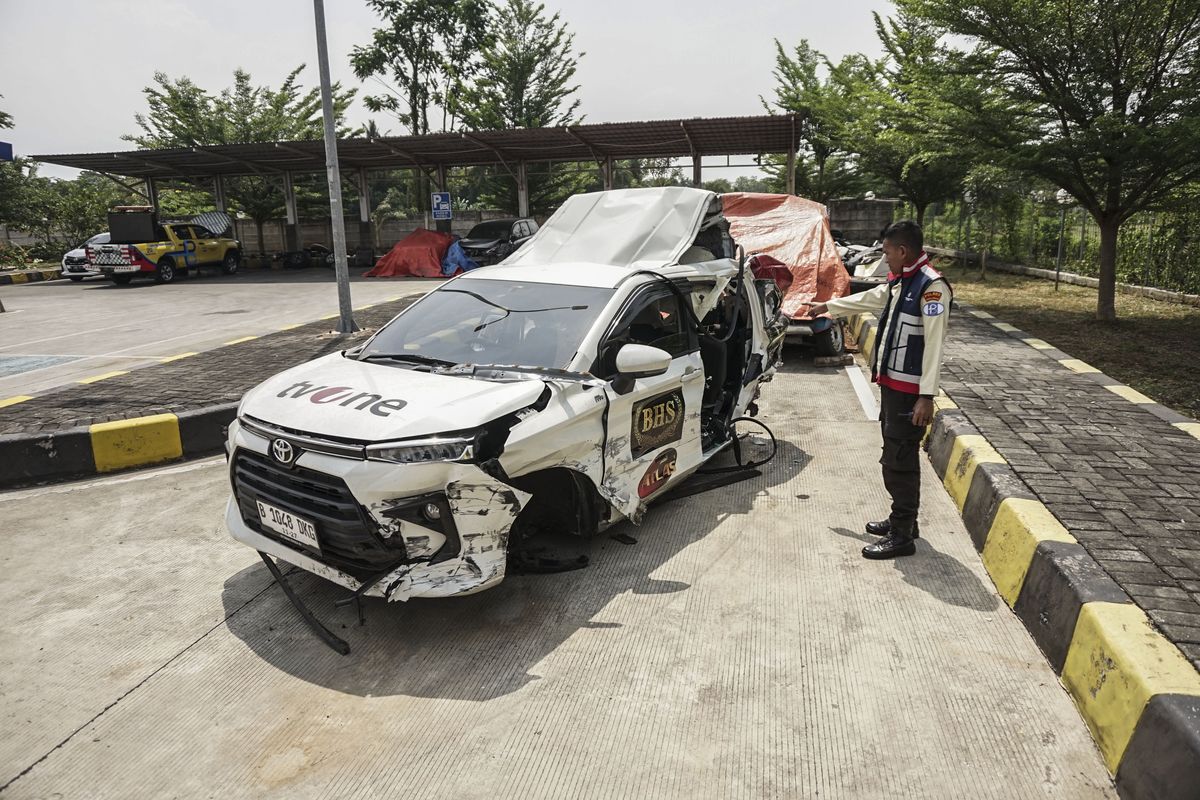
(863, 390)
(142, 475)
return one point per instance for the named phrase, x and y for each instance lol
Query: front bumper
(465, 556)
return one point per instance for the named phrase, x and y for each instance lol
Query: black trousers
(901, 457)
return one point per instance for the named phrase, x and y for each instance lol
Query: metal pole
(346, 319)
(1062, 225)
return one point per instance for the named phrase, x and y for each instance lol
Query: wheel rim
(835, 337)
(231, 263)
(168, 272)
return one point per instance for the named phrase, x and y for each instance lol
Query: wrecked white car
(563, 389)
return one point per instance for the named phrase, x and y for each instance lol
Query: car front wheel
(231, 262)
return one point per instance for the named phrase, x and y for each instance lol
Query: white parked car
(75, 262)
(563, 389)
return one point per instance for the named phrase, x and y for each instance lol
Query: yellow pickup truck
(140, 246)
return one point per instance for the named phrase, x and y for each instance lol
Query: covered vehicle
(417, 255)
(494, 240)
(560, 392)
(792, 233)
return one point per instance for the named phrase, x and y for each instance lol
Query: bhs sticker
(933, 309)
(661, 470)
(656, 421)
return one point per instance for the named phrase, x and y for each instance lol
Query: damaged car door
(654, 414)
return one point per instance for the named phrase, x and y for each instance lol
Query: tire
(166, 271)
(231, 262)
(830, 342)
(122, 280)
(75, 278)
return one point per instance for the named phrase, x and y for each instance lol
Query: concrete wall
(861, 220)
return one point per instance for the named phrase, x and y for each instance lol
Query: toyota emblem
(283, 451)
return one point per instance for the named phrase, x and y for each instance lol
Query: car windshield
(479, 321)
(496, 229)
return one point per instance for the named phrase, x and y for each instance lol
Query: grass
(1154, 347)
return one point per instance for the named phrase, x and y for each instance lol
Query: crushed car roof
(631, 228)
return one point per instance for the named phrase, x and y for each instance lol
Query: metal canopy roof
(655, 139)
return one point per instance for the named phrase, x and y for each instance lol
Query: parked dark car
(492, 241)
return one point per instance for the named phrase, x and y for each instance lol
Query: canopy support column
(292, 234)
(219, 193)
(365, 234)
(522, 190)
(152, 193)
(607, 171)
(791, 171)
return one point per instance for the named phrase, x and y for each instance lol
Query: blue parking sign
(6, 153)
(441, 206)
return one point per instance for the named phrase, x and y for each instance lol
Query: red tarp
(793, 232)
(417, 255)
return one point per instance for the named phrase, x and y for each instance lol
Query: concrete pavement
(60, 332)
(741, 648)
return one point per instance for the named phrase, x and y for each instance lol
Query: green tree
(525, 79)
(5, 119)
(82, 205)
(997, 197)
(888, 129)
(807, 86)
(182, 114)
(429, 50)
(1097, 97)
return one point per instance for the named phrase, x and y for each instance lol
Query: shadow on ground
(486, 645)
(938, 574)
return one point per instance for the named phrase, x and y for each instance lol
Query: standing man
(915, 306)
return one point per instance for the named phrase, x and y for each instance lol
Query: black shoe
(884, 527)
(891, 547)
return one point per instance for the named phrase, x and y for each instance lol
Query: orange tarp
(418, 255)
(794, 232)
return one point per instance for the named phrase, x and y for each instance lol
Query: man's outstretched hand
(922, 413)
(817, 309)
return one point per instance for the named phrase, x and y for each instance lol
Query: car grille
(75, 261)
(349, 539)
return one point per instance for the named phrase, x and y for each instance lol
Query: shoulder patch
(929, 297)
(933, 309)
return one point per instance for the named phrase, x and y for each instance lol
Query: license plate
(288, 524)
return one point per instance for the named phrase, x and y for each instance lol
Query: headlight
(424, 451)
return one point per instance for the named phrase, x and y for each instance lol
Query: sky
(72, 71)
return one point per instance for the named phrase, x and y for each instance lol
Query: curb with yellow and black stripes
(1138, 695)
(30, 275)
(28, 458)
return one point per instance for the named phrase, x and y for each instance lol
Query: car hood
(646, 228)
(78, 252)
(340, 397)
(479, 244)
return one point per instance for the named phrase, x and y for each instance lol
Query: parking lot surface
(741, 648)
(60, 332)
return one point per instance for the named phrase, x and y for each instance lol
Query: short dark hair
(905, 233)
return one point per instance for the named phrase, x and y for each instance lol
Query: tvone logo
(344, 396)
